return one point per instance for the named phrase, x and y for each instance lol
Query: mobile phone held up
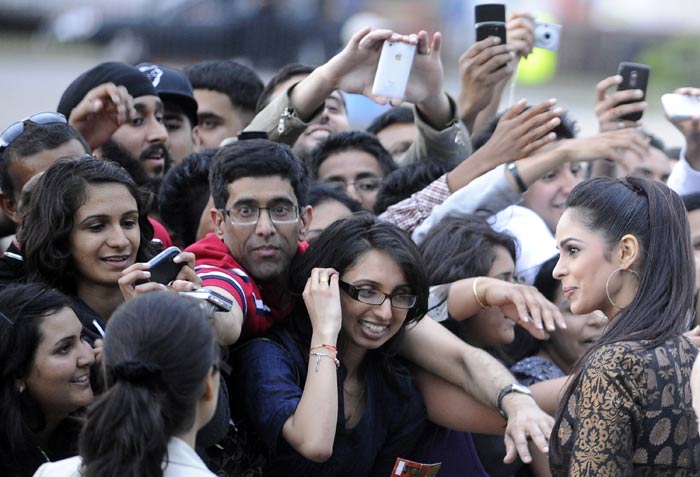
(681, 106)
(393, 69)
(163, 269)
(634, 76)
(490, 20)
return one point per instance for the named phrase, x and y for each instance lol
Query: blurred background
(45, 44)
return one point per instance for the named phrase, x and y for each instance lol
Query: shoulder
(62, 468)
(534, 369)
(618, 358)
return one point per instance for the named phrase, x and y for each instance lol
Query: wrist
(437, 110)
(692, 154)
(324, 337)
(512, 397)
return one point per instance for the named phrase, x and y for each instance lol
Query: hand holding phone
(634, 76)
(490, 20)
(393, 69)
(679, 107)
(163, 268)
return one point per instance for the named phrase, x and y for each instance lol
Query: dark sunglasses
(15, 130)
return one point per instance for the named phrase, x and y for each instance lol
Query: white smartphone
(393, 70)
(681, 106)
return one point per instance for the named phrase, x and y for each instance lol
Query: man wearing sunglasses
(28, 147)
(260, 215)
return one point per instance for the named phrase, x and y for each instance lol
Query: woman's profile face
(59, 379)
(370, 326)
(583, 268)
(106, 234)
(491, 327)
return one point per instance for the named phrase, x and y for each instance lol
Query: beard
(113, 152)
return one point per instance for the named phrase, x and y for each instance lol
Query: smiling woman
(86, 223)
(631, 386)
(44, 378)
(325, 392)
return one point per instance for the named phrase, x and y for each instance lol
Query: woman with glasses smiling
(325, 392)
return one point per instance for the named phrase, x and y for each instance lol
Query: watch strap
(510, 388)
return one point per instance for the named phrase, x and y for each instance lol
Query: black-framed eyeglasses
(15, 130)
(249, 214)
(365, 185)
(374, 297)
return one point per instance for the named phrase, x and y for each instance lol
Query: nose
(558, 272)
(569, 181)
(117, 238)
(156, 131)
(351, 191)
(264, 226)
(86, 357)
(384, 311)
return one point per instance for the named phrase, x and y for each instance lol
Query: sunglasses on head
(15, 130)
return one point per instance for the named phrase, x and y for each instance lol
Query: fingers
(514, 110)
(602, 87)
(477, 48)
(358, 37)
(687, 90)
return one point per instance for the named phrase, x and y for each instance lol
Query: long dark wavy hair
(23, 308)
(49, 220)
(656, 216)
(158, 349)
(340, 246)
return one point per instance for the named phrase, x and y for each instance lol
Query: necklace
(351, 415)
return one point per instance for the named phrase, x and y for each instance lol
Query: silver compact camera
(547, 36)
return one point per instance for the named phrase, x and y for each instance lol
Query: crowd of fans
(457, 284)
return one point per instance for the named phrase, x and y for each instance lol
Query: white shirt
(683, 179)
(182, 461)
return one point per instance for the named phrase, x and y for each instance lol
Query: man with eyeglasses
(260, 214)
(353, 162)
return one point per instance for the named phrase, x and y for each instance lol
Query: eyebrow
(65, 339)
(361, 175)
(207, 115)
(569, 239)
(142, 108)
(273, 200)
(106, 216)
(367, 281)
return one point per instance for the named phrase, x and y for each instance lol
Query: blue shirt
(270, 380)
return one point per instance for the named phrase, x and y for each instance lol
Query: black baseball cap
(172, 85)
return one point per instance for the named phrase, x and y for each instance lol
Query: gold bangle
(476, 295)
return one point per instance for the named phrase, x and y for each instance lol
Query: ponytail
(158, 350)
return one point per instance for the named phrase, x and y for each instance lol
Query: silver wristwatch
(511, 388)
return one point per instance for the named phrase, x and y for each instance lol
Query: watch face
(520, 388)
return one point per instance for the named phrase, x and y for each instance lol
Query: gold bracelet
(476, 295)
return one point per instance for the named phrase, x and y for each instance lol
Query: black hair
(566, 129)
(22, 310)
(691, 201)
(238, 82)
(406, 180)
(255, 158)
(184, 194)
(655, 215)
(158, 349)
(340, 246)
(47, 226)
(461, 247)
(286, 72)
(34, 139)
(400, 115)
(351, 141)
(320, 193)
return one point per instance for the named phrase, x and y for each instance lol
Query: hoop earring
(607, 284)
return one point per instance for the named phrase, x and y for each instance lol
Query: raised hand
(322, 299)
(610, 107)
(101, 112)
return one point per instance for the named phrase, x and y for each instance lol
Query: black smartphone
(634, 76)
(490, 20)
(245, 135)
(163, 268)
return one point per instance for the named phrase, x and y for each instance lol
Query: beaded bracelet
(324, 355)
(476, 295)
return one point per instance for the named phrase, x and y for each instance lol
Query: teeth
(81, 379)
(373, 328)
